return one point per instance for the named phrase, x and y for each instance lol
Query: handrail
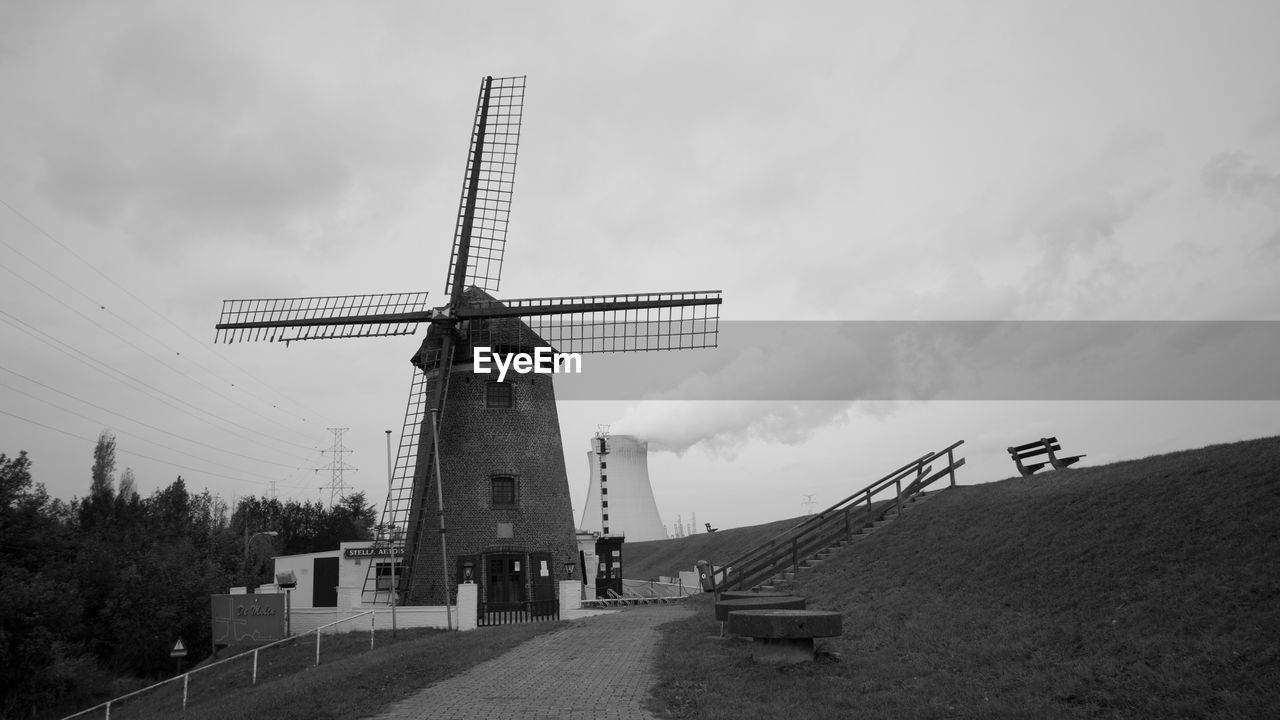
(187, 675)
(805, 535)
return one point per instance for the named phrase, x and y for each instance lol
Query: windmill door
(506, 582)
(543, 581)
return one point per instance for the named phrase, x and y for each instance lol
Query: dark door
(506, 575)
(544, 580)
(324, 583)
(609, 572)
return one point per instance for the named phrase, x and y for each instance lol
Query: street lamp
(248, 541)
(251, 538)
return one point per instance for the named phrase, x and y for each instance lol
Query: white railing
(654, 589)
(186, 677)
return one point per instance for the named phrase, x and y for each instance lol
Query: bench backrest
(1039, 447)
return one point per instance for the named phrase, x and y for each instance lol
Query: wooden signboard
(247, 619)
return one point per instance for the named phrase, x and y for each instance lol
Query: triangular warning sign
(179, 650)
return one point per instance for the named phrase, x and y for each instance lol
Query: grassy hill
(1145, 588)
(648, 560)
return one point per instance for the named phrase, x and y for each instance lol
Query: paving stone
(597, 668)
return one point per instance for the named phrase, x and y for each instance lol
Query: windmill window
(503, 491)
(499, 395)
(383, 573)
(604, 490)
(606, 517)
(604, 503)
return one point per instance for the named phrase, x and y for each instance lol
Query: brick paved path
(598, 668)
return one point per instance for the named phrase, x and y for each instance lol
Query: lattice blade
(613, 323)
(396, 522)
(313, 318)
(481, 233)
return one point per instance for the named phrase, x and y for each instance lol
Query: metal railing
(653, 589)
(838, 522)
(491, 614)
(186, 677)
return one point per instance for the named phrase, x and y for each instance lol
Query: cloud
(177, 126)
(1236, 174)
(723, 428)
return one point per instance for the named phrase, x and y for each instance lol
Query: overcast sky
(838, 161)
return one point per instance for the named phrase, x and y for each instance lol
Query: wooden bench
(782, 637)
(1043, 446)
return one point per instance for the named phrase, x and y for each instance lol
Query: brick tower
(509, 516)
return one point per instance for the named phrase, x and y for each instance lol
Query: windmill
(485, 454)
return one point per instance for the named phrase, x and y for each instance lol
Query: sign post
(178, 652)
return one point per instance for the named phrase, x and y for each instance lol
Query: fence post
(186, 678)
(255, 667)
(317, 647)
(108, 710)
(897, 483)
(795, 556)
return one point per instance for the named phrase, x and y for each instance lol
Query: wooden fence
(840, 521)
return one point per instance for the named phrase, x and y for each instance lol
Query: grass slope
(1146, 588)
(352, 681)
(648, 560)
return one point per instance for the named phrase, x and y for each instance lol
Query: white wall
(461, 617)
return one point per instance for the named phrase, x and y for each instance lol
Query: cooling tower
(626, 506)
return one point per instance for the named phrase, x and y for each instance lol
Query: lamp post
(248, 539)
(393, 536)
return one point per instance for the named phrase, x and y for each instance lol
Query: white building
(331, 588)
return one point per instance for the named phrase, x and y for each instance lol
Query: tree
(351, 519)
(98, 509)
(104, 465)
(37, 602)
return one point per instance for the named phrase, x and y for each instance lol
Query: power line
(45, 233)
(336, 467)
(808, 504)
(122, 451)
(137, 422)
(173, 401)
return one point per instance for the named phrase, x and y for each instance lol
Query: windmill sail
(312, 318)
(480, 236)
(396, 511)
(613, 323)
